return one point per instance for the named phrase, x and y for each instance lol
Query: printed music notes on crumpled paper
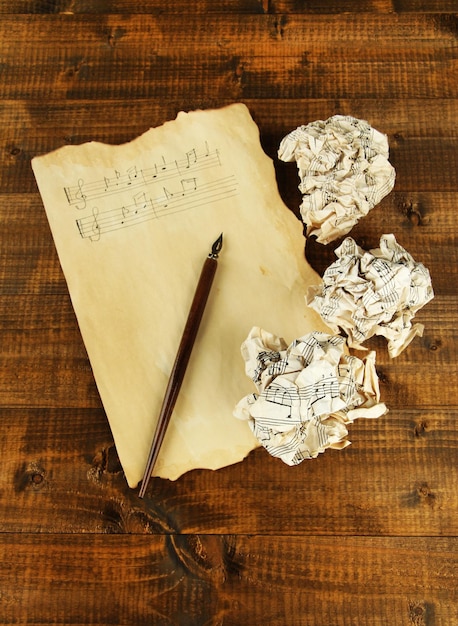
(131, 224)
(308, 393)
(373, 293)
(344, 171)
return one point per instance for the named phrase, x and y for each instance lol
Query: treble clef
(80, 197)
(95, 227)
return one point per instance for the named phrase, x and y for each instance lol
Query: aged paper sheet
(132, 225)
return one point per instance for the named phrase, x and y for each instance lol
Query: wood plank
(436, 162)
(49, 368)
(423, 222)
(227, 77)
(117, 121)
(55, 313)
(416, 151)
(64, 460)
(229, 580)
(237, 57)
(374, 6)
(158, 7)
(421, 164)
(431, 31)
(225, 6)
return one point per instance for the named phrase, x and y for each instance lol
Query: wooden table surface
(365, 536)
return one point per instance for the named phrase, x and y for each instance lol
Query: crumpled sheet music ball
(344, 171)
(373, 293)
(308, 393)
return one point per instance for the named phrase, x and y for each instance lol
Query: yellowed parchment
(132, 225)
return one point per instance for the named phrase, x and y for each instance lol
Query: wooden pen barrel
(181, 362)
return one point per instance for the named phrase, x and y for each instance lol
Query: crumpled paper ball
(373, 293)
(344, 171)
(308, 393)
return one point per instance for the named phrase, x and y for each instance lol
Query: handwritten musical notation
(145, 208)
(165, 188)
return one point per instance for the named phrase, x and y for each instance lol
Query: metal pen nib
(216, 247)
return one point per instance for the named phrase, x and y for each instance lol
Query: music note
(168, 196)
(125, 212)
(191, 158)
(152, 173)
(141, 201)
(188, 184)
(111, 183)
(131, 174)
(139, 191)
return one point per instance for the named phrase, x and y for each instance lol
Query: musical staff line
(144, 208)
(83, 192)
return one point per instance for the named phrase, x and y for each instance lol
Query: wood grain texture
(234, 57)
(362, 537)
(422, 221)
(66, 460)
(158, 7)
(200, 579)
